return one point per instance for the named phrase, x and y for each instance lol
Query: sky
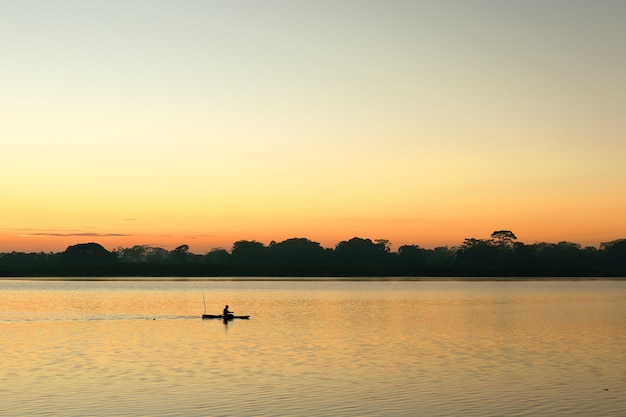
(152, 122)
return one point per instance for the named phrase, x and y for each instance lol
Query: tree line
(499, 256)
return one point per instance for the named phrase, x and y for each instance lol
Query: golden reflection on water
(313, 348)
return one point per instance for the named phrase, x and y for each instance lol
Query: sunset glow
(204, 123)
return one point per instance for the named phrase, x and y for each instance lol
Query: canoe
(221, 316)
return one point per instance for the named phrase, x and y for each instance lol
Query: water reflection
(323, 348)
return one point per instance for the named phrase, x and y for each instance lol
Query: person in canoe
(227, 313)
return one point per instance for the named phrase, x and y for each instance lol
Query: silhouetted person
(227, 313)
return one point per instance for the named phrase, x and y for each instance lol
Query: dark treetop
(499, 256)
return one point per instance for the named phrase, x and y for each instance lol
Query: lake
(313, 348)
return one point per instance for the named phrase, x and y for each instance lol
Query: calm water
(321, 348)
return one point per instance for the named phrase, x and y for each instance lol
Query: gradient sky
(207, 122)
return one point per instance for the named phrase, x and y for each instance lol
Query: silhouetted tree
(296, 251)
(24, 264)
(217, 256)
(384, 244)
(88, 252)
(480, 256)
(136, 254)
(142, 254)
(470, 243)
(413, 260)
(523, 259)
(411, 251)
(614, 255)
(504, 238)
(615, 250)
(249, 252)
(564, 257)
(358, 251)
(180, 254)
(441, 258)
(412, 255)
(88, 259)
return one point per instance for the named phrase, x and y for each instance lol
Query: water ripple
(316, 350)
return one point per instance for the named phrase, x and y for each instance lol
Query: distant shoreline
(499, 258)
(314, 279)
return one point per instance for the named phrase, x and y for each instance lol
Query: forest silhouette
(499, 256)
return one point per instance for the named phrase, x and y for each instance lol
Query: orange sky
(204, 123)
